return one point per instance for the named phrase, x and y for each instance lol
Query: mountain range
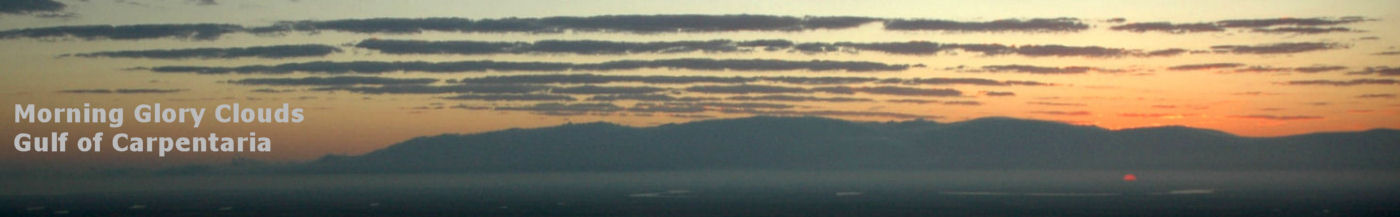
(812, 143)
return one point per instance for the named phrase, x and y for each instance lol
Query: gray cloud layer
(30, 6)
(1352, 82)
(1205, 66)
(1378, 70)
(662, 79)
(1277, 48)
(376, 67)
(271, 52)
(127, 32)
(1280, 25)
(121, 91)
(1031, 25)
(628, 24)
(340, 80)
(617, 47)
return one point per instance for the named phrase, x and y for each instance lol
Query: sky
(1251, 68)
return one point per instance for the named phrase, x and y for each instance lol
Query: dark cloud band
(376, 67)
(271, 52)
(333, 81)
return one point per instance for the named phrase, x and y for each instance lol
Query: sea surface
(717, 193)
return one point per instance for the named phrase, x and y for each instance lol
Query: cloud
(744, 65)
(1378, 70)
(1378, 95)
(1035, 69)
(666, 108)
(1087, 51)
(663, 79)
(1276, 48)
(966, 81)
(1151, 115)
(1168, 27)
(1288, 25)
(657, 79)
(996, 93)
(913, 101)
(1261, 69)
(270, 90)
(271, 52)
(440, 89)
(1260, 23)
(1304, 30)
(609, 23)
(744, 105)
(563, 109)
(30, 6)
(126, 32)
(792, 98)
(603, 79)
(512, 97)
(205, 2)
(1031, 25)
(1057, 104)
(561, 46)
(1254, 93)
(908, 91)
(121, 91)
(595, 47)
(1318, 68)
(590, 89)
(1065, 113)
(1352, 82)
(376, 67)
(1387, 53)
(745, 89)
(831, 113)
(333, 81)
(1206, 66)
(930, 48)
(1277, 118)
(880, 90)
(647, 97)
(968, 103)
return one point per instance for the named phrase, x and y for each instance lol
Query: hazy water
(718, 193)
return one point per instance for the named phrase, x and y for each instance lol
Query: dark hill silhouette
(810, 143)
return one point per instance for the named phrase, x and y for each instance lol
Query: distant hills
(810, 143)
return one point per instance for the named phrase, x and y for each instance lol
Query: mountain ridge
(813, 143)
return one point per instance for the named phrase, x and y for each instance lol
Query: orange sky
(1130, 91)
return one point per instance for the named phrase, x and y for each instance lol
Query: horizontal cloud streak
(271, 52)
(1378, 70)
(1036, 69)
(512, 97)
(127, 32)
(340, 80)
(432, 89)
(1205, 66)
(376, 67)
(1278, 118)
(1283, 25)
(879, 90)
(831, 113)
(1031, 25)
(664, 79)
(793, 98)
(121, 91)
(30, 6)
(1278, 48)
(609, 23)
(1352, 82)
(595, 47)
